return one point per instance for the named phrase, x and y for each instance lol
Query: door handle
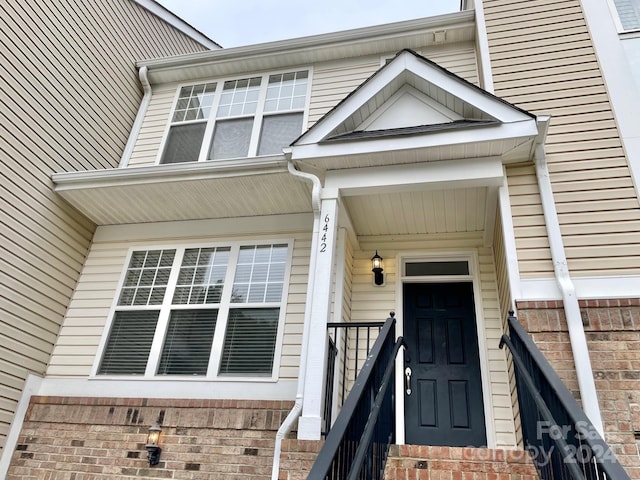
(407, 380)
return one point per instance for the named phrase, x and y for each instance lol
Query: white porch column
(309, 424)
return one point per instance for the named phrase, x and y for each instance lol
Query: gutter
(137, 124)
(572, 313)
(295, 412)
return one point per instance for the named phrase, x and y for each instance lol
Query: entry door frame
(472, 258)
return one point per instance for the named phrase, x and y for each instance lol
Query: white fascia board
(312, 43)
(526, 128)
(166, 173)
(477, 172)
(606, 287)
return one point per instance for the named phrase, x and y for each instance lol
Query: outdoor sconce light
(153, 450)
(376, 263)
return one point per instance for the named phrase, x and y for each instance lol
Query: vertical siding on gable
(68, 97)
(543, 61)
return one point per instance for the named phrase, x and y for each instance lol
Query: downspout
(295, 412)
(142, 111)
(572, 313)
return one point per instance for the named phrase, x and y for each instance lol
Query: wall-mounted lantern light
(376, 264)
(153, 450)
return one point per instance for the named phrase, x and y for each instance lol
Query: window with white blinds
(237, 118)
(206, 311)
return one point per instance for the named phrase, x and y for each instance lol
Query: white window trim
(474, 277)
(259, 114)
(221, 322)
(616, 19)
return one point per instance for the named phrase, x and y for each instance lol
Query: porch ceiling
(183, 192)
(427, 212)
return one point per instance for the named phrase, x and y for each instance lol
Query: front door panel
(444, 406)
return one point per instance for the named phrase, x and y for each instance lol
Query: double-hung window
(211, 311)
(237, 118)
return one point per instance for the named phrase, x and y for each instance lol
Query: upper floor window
(237, 118)
(204, 311)
(628, 14)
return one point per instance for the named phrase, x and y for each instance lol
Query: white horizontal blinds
(134, 324)
(189, 122)
(629, 13)
(187, 345)
(129, 343)
(286, 92)
(178, 298)
(250, 341)
(250, 337)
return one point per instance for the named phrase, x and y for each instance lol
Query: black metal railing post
(358, 443)
(563, 442)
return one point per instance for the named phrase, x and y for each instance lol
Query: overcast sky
(243, 22)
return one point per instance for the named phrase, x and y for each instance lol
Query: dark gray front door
(444, 406)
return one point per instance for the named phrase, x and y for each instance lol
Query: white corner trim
(31, 387)
(603, 24)
(482, 42)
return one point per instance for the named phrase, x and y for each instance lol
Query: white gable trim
(523, 129)
(407, 61)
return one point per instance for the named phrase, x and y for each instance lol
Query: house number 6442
(323, 234)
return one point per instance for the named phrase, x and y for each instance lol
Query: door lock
(407, 380)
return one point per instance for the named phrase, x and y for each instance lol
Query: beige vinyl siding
(147, 146)
(506, 304)
(68, 97)
(91, 303)
(543, 61)
(370, 303)
(532, 244)
(333, 82)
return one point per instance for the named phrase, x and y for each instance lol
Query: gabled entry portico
(411, 164)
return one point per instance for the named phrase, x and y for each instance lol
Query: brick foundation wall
(612, 329)
(297, 457)
(71, 438)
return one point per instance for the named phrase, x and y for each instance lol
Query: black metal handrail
(563, 442)
(358, 345)
(358, 444)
